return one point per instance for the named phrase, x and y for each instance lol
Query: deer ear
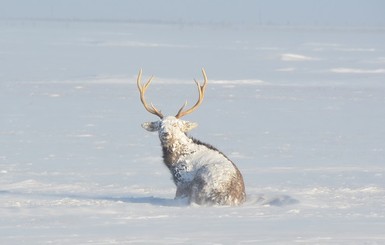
(187, 126)
(151, 126)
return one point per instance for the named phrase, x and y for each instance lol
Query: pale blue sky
(294, 12)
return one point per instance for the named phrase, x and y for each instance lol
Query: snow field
(299, 112)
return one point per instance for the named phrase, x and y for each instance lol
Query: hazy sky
(293, 12)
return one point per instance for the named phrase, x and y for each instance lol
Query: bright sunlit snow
(300, 111)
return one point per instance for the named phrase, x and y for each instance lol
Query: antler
(142, 90)
(201, 91)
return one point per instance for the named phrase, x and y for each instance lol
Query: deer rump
(201, 173)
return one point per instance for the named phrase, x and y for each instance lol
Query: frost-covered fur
(200, 172)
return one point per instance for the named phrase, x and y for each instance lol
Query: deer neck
(176, 147)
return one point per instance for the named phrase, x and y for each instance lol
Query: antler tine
(142, 90)
(201, 91)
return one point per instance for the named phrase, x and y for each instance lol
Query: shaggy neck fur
(176, 147)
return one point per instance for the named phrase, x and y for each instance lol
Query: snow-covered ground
(299, 110)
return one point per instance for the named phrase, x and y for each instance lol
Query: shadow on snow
(156, 201)
(257, 199)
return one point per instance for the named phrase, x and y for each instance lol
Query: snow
(295, 57)
(357, 71)
(308, 136)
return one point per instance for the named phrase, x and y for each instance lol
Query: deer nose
(165, 135)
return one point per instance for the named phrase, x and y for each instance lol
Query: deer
(202, 174)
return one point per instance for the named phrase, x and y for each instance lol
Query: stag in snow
(201, 173)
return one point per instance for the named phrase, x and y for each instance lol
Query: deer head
(170, 126)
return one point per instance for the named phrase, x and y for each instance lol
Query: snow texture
(307, 134)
